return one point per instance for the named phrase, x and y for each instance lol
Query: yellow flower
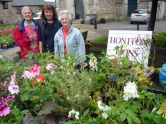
(162, 110)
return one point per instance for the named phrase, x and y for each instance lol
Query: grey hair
(64, 12)
(24, 8)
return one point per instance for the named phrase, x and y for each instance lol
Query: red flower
(6, 32)
(40, 78)
(33, 84)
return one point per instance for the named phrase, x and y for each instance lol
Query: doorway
(132, 5)
(79, 9)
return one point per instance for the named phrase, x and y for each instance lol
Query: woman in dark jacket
(49, 26)
(26, 34)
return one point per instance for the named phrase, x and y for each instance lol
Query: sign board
(136, 44)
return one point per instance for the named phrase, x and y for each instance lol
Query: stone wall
(103, 8)
(8, 16)
(161, 11)
(12, 15)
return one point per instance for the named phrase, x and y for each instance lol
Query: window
(18, 10)
(5, 5)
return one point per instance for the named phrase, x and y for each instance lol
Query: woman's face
(65, 21)
(48, 14)
(27, 15)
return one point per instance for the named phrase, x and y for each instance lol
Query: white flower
(93, 64)
(71, 113)
(100, 105)
(74, 114)
(104, 115)
(28, 75)
(51, 67)
(154, 109)
(103, 107)
(130, 91)
(13, 88)
(106, 108)
(77, 115)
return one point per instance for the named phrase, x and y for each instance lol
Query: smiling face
(65, 21)
(48, 14)
(27, 14)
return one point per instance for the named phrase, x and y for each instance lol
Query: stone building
(85, 9)
(108, 9)
(10, 10)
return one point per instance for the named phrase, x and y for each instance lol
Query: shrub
(160, 40)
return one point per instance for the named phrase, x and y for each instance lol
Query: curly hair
(48, 7)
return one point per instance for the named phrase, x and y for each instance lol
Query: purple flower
(10, 98)
(4, 110)
(2, 100)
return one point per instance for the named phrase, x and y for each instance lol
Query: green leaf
(63, 122)
(129, 120)
(85, 114)
(25, 97)
(24, 112)
(93, 122)
(123, 117)
(136, 120)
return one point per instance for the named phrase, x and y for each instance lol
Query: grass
(100, 40)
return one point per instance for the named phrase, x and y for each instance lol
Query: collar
(21, 25)
(26, 23)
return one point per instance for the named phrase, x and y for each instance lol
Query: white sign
(136, 44)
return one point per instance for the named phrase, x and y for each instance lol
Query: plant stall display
(45, 89)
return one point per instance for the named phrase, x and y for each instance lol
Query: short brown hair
(48, 7)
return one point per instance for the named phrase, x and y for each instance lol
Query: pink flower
(51, 67)
(10, 98)
(4, 110)
(13, 89)
(28, 75)
(35, 69)
(2, 100)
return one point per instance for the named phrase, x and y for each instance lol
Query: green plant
(160, 40)
(6, 41)
(105, 91)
